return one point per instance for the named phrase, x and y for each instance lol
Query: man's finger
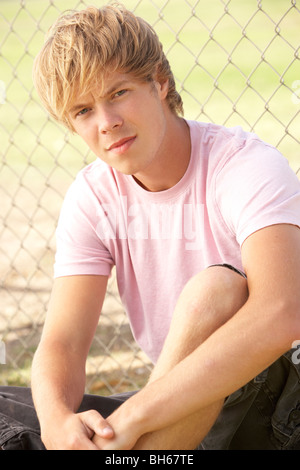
(97, 424)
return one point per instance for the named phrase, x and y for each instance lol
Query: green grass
(198, 38)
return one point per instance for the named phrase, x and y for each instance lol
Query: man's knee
(217, 292)
(208, 300)
(228, 285)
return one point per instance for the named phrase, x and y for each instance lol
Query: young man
(182, 209)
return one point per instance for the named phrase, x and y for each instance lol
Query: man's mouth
(122, 145)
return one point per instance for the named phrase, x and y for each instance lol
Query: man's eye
(120, 93)
(83, 111)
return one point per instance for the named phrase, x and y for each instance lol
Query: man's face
(125, 125)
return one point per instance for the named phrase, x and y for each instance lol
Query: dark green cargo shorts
(264, 414)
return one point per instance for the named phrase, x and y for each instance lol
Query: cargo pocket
(235, 409)
(15, 436)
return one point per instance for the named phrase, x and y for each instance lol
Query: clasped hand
(89, 431)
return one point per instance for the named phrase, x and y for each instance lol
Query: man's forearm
(230, 358)
(58, 381)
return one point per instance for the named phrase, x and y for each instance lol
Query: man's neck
(172, 162)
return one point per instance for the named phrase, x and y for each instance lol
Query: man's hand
(77, 432)
(127, 426)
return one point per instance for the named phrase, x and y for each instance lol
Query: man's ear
(162, 88)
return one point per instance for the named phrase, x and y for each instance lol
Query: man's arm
(260, 332)
(58, 370)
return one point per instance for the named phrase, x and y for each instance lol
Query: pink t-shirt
(234, 185)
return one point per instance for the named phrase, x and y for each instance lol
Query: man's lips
(122, 144)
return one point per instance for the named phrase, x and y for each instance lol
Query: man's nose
(108, 121)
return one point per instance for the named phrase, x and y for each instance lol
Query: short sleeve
(256, 188)
(79, 250)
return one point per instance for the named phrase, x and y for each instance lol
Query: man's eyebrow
(114, 87)
(77, 107)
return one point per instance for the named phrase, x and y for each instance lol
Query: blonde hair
(82, 45)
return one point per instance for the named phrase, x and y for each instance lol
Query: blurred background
(235, 62)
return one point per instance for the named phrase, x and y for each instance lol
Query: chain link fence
(236, 63)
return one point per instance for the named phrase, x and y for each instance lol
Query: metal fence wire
(235, 62)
